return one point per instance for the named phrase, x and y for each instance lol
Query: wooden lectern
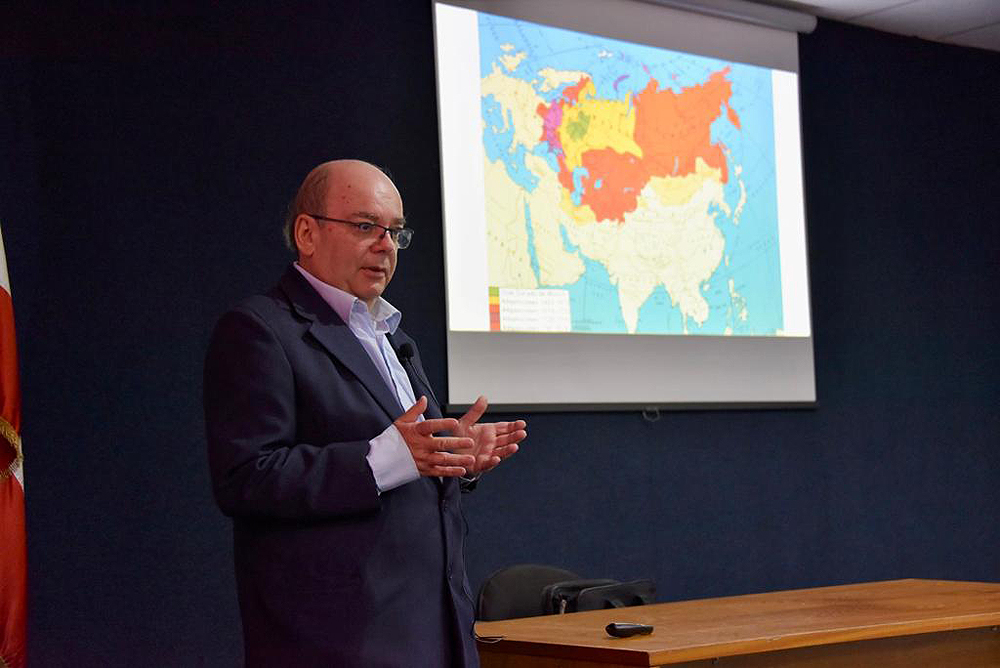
(896, 624)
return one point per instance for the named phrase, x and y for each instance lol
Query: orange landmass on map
(673, 130)
(571, 93)
(733, 117)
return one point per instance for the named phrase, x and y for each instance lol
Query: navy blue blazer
(329, 572)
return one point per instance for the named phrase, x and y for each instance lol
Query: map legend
(532, 310)
(494, 309)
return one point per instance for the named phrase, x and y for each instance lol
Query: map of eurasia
(624, 190)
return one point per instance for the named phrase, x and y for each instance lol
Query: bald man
(329, 452)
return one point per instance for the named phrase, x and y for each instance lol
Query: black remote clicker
(627, 629)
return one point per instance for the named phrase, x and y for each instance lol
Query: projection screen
(623, 208)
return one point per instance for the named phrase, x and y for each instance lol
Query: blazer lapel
(337, 338)
(416, 374)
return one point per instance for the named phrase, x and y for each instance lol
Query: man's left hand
(493, 442)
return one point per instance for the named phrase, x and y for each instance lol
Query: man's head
(337, 253)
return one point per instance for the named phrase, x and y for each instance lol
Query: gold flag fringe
(12, 437)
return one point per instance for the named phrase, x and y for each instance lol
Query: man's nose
(385, 242)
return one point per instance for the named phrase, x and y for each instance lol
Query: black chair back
(516, 591)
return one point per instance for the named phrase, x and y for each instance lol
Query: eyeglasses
(400, 236)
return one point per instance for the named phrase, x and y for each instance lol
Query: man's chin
(369, 293)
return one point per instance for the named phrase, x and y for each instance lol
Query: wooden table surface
(755, 623)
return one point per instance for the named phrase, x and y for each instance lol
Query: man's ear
(303, 232)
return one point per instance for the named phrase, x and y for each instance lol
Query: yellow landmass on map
(556, 266)
(511, 62)
(508, 256)
(739, 304)
(552, 78)
(581, 215)
(595, 123)
(738, 213)
(517, 97)
(674, 190)
(676, 245)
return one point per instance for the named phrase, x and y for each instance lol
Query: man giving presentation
(328, 450)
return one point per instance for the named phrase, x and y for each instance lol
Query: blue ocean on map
(593, 300)
(744, 292)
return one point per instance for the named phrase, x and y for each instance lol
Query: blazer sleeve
(257, 466)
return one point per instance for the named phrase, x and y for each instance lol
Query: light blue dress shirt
(389, 457)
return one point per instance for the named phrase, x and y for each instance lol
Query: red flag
(13, 548)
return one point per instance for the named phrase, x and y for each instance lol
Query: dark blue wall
(147, 155)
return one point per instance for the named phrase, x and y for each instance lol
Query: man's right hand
(430, 452)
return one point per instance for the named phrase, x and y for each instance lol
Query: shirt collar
(384, 316)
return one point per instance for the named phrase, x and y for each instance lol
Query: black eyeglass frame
(401, 236)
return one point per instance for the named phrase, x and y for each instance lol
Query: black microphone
(405, 353)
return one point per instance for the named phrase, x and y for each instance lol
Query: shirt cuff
(390, 460)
